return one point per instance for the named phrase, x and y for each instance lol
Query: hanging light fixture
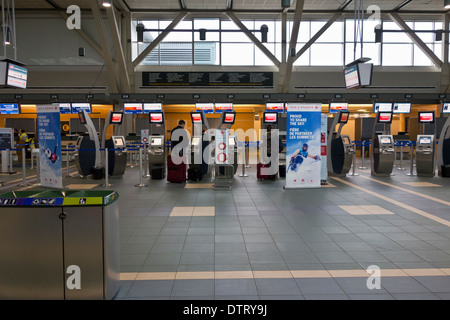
(107, 3)
(447, 4)
(7, 35)
(140, 32)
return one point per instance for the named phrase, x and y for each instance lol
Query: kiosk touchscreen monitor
(195, 141)
(156, 117)
(118, 142)
(385, 140)
(385, 117)
(116, 117)
(158, 141)
(425, 140)
(343, 117)
(426, 117)
(270, 118)
(446, 107)
(335, 107)
(229, 117)
(197, 117)
(404, 107)
(346, 139)
(382, 107)
(275, 107)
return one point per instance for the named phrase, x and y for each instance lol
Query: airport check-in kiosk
(340, 157)
(227, 119)
(425, 156)
(383, 151)
(199, 142)
(443, 154)
(117, 153)
(88, 159)
(270, 119)
(157, 141)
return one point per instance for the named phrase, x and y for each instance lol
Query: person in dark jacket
(180, 126)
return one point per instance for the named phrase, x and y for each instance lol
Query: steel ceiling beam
(158, 39)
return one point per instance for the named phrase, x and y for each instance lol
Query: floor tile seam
(398, 203)
(408, 191)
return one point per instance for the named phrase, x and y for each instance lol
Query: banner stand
(303, 145)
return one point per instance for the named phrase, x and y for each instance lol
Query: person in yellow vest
(23, 137)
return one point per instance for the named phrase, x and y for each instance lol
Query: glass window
(237, 54)
(260, 57)
(326, 55)
(180, 36)
(208, 24)
(335, 33)
(238, 36)
(397, 55)
(395, 37)
(303, 60)
(420, 58)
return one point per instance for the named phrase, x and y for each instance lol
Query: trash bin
(57, 245)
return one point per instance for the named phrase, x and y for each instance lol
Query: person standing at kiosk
(180, 134)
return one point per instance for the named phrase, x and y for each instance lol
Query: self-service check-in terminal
(425, 156)
(156, 148)
(383, 151)
(340, 146)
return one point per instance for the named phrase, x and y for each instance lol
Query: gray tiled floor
(259, 226)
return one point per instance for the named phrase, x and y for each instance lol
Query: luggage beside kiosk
(176, 173)
(261, 176)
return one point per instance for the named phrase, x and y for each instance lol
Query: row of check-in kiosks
(339, 156)
(90, 160)
(341, 149)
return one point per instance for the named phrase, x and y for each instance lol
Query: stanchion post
(411, 170)
(106, 184)
(24, 167)
(243, 174)
(10, 161)
(354, 162)
(247, 153)
(67, 163)
(146, 173)
(141, 183)
(363, 152)
(38, 169)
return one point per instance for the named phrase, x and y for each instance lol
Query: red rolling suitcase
(176, 172)
(260, 176)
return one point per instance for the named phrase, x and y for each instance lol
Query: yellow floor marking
(281, 274)
(398, 203)
(409, 191)
(421, 184)
(365, 209)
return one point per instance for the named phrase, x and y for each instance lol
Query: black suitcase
(195, 174)
(445, 171)
(282, 171)
(157, 173)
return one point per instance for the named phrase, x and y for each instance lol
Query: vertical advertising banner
(303, 148)
(323, 147)
(49, 134)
